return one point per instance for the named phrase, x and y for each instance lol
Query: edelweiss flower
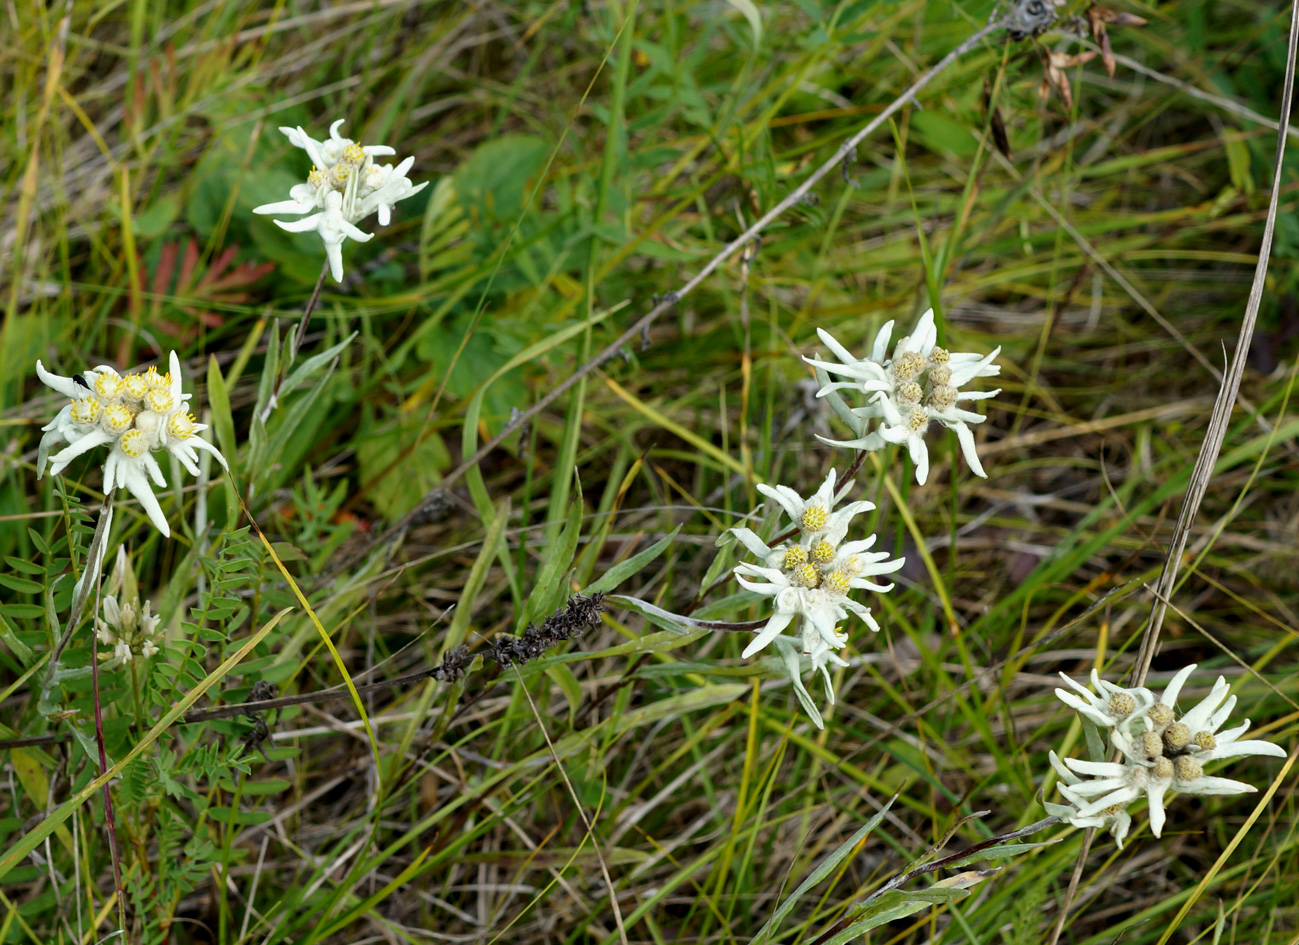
(919, 385)
(1114, 705)
(1115, 818)
(1140, 773)
(812, 576)
(344, 187)
(133, 414)
(1160, 752)
(1196, 733)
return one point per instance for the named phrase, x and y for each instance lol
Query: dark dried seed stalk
(580, 614)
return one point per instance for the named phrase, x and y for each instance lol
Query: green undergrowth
(642, 783)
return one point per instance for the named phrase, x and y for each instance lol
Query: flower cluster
(1159, 752)
(129, 629)
(919, 385)
(810, 577)
(343, 188)
(133, 415)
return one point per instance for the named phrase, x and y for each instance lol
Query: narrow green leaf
(22, 611)
(9, 637)
(563, 677)
(21, 585)
(477, 576)
(750, 11)
(312, 366)
(620, 572)
(822, 871)
(218, 398)
(26, 567)
(550, 589)
(1002, 852)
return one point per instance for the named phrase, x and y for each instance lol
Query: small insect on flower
(906, 393)
(134, 415)
(343, 188)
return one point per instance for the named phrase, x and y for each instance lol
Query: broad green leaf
(401, 461)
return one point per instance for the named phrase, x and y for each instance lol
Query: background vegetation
(585, 157)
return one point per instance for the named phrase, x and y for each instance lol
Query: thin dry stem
(1220, 418)
(581, 811)
(673, 298)
(1217, 431)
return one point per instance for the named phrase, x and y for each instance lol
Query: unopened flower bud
(1160, 715)
(942, 396)
(910, 393)
(1152, 745)
(1188, 768)
(1122, 705)
(908, 367)
(1176, 737)
(1163, 769)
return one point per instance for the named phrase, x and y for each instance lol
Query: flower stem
(110, 820)
(306, 317)
(283, 370)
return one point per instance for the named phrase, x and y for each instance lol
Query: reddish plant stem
(110, 820)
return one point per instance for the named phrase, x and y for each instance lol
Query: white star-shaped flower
(811, 578)
(1112, 783)
(919, 385)
(815, 516)
(133, 414)
(1197, 732)
(1114, 704)
(343, 188)
(1160, 752)
(1115, 819)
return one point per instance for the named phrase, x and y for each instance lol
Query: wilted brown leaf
(1100, 18)
(966, 879)
(1054, 65)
